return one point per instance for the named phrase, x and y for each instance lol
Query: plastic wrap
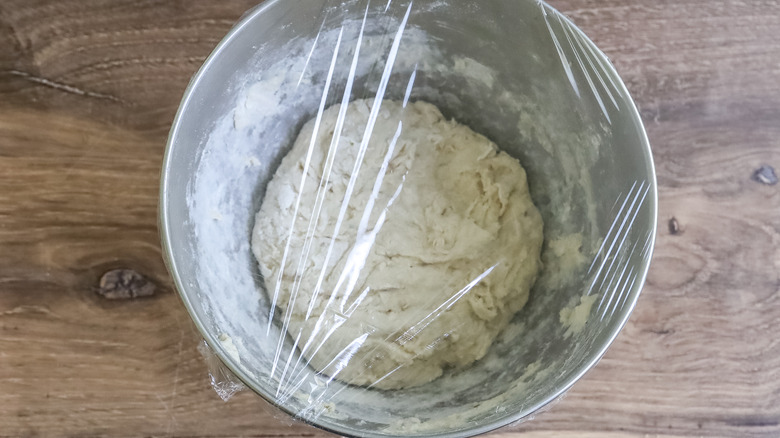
(408, 218)
(224, 382)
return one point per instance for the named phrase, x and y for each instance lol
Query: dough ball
(402, 265)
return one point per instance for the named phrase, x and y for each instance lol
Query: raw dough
(575, 318)
(423, 274)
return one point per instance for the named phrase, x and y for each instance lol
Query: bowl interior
(514, 71)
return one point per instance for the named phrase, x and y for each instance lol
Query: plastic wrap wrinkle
(640, 196)
(224, 382)
(562, 54)
(356, 257)
(285, 320)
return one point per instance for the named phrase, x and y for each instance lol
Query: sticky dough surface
(411, 267)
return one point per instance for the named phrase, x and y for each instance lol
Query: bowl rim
(164, 226)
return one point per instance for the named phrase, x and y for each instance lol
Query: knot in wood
(125, 284)
(765, 175)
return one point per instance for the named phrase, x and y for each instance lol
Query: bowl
(516, 71)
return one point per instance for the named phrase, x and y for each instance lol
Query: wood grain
(88, 90)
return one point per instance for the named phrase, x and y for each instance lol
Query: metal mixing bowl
(514, 70)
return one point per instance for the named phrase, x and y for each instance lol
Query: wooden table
(88, 91)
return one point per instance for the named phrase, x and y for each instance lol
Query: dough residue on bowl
(395, 258)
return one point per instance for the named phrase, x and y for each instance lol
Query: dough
(437, 247)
